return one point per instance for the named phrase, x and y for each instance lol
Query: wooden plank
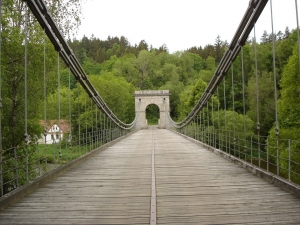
(193, 186)
(112, 187)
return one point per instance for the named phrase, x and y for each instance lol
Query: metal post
(275, 90)
(219, 124)
(101, 128)
(26, 136)
(97, 140)
(204, 128)
(289, 168)
(213, 124)
(267, 154)
(244, 105)
(239, 145)
(225, 109)
(70, 116)
(233, 108)
(79, 124)
(298, 36)
(195, 128)
(16, 167)
(92, 138)
(58, 94)
(1, 150)
(110, 130)
(104, 129)
(208, 142)
(86, 133)
(257, 98)
(251, 149)
(39, 159)
(198, 127)
(229, 142)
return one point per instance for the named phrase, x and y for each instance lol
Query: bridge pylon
(147, 97)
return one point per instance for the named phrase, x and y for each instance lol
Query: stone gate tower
(159, 98)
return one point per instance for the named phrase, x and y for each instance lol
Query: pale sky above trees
(178, 24)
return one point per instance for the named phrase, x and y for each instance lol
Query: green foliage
(125, 67)
(175, 88)
(116, 93)
(52, 105)
(266, 102)
(289, 104)
(152, 114)
(91, 67)
(190, 96)
(232, 121)
(289, 117)
(13, 78)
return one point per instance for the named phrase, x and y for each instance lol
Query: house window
(57, 136)
(52, 137)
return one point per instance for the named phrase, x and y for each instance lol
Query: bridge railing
(257, 150)
(89, 127)
(230, 130)
(25, 163)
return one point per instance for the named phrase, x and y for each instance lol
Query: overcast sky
(178, 24)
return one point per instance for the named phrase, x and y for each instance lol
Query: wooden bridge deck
(193, 186)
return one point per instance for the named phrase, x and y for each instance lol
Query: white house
(55, 131)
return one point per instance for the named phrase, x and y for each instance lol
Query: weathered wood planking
(195, 186)
(112, 187)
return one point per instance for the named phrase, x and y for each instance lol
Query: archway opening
(152, 114)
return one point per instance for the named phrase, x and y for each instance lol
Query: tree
(91, 67)
(147, 64)
(190, 96)
(175, 87)
(13, 71)
(186, 67)
(219, 49)
(266, 104)
(265, 37)
(125, 67)
(289, 117)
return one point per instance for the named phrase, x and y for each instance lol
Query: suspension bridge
(187, 172)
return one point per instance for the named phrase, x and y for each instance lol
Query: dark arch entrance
(161, 99)
(152, 114)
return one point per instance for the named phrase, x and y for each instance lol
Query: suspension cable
(219, 125)
(45, 91)
(233, 107)
(70, 112)
(1, 170)
(252, 13)
(26, 136)
(296, 5)
(96, 126)
(207, 108)
(257, 96)
(92, 133)
(212, 118)
(275, 89)
(256, 81)
(244, 105)
(58, 95)
(225, 117)
(78, 116)
(25, 74)
(85, 122)
(274, 69)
